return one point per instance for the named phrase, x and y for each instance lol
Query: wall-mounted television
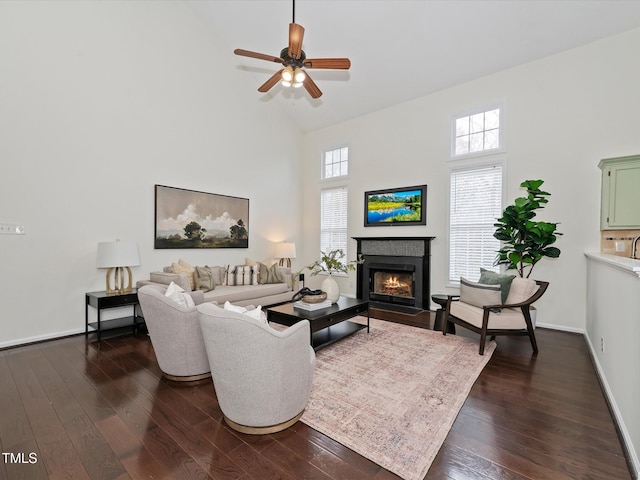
(396, 206)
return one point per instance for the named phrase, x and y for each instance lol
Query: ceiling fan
(294, 61)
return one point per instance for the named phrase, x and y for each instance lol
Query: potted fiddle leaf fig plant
(526, 241)
(330, 263)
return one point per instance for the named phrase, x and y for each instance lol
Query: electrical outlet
(620, 247)
(602, 344)
(11, 229)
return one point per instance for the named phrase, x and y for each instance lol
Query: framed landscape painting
(396, 206)
(191, 219)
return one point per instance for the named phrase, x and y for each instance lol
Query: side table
(101, 301)
(442, 301)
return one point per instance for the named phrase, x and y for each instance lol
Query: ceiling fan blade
(275, 78)
(296, 34)
(261, 56)
(334, 63)
(311, 87)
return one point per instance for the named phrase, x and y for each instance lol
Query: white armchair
(262, 376)
(175, 334)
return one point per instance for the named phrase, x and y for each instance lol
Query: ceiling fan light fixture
(287, 74)
(299, 75)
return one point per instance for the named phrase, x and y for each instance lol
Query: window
(335, 163)
(477, 132)
(333, 220)
(475, 204)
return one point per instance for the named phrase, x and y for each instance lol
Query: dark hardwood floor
(102, 411)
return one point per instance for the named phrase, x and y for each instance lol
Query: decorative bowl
(315, 298)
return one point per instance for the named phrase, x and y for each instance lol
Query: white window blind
(475, 204)
(333, 220)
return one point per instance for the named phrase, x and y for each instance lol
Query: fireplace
(395, 272)
(392, 283)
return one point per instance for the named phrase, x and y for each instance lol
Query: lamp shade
(118, 254)
(285, 250)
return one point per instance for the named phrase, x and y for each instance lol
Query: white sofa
(241, 295)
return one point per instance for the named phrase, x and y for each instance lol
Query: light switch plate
(12, 229)
(619, 246)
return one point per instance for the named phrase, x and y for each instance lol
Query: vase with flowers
(331, 263)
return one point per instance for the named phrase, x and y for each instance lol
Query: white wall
(613, 310)
(99, 101)
(564, 113)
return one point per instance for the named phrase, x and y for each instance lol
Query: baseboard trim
(551, 326)
(39, 338)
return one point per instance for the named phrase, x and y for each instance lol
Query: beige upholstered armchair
(481, 310)
(262, 376)
(175, 334)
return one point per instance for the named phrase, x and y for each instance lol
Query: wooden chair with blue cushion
(501, 307)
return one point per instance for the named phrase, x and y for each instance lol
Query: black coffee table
(328, 325)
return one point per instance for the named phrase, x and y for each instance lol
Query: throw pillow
(249, 275)
(229, 275)
(217, 275)
(233, 308)
(255, 313)
(241, 275)
(269, 274)
(478, 294)
(256, 266)
(178, 295)
(184, 267)
(492, 278)
(205, 278)
(270, 261)
(521, 290)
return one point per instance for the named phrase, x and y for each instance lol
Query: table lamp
(116, 257)
(285, 251)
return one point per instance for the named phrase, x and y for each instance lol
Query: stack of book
(312, 306)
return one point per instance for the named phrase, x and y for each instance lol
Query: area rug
(392, 395)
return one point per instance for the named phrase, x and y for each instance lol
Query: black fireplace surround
(395, 274)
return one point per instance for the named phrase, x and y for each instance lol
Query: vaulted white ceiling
(402, 49)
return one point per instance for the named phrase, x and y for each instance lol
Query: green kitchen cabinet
(620, 201)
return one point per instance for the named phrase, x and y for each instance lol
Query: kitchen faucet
(634, 246)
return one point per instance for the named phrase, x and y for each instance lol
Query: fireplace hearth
(395, 272)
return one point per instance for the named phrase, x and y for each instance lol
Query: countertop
(623, 263)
